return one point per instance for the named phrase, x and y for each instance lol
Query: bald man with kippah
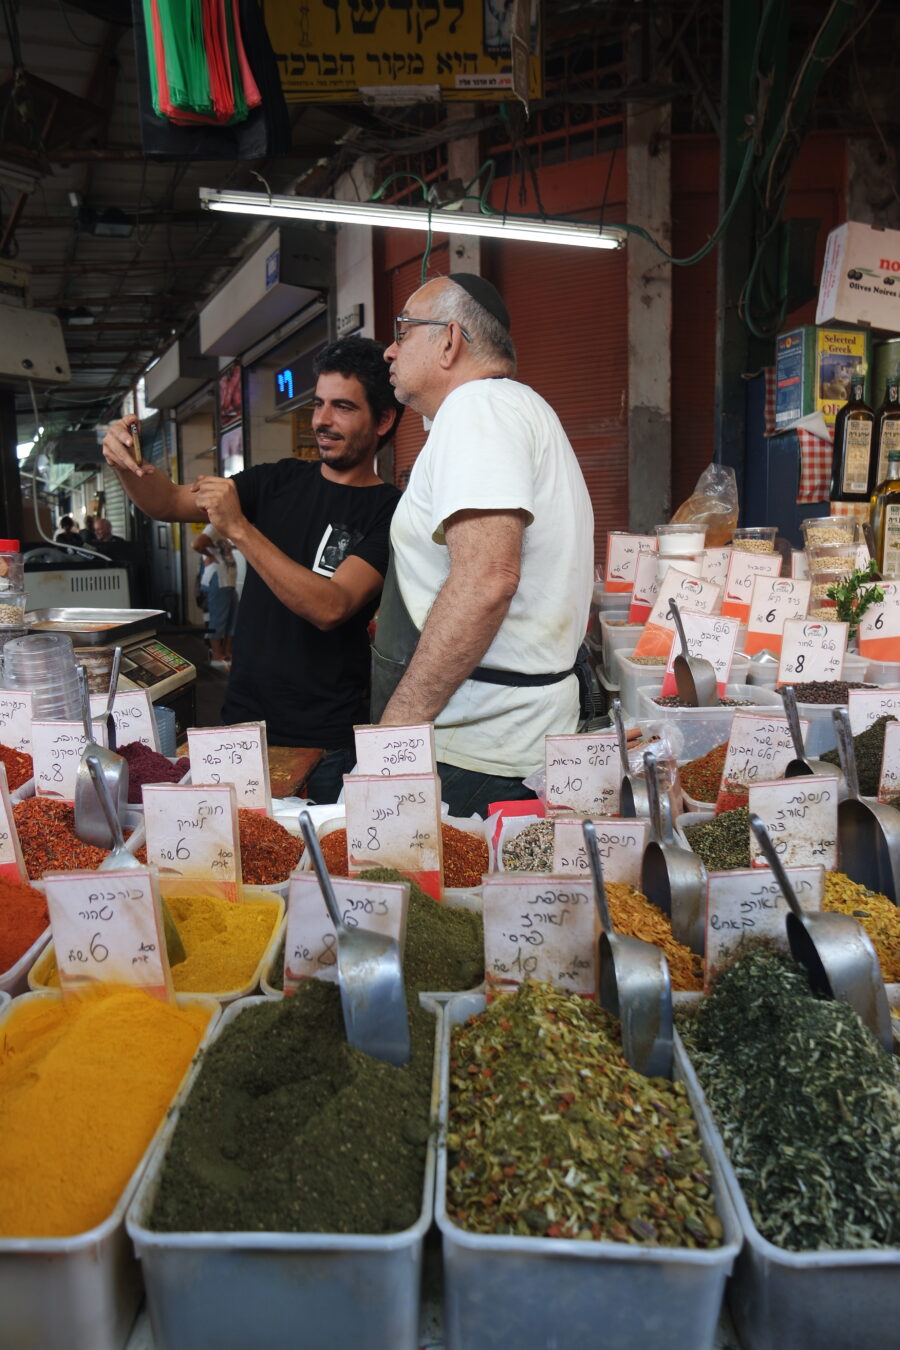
(487, 595)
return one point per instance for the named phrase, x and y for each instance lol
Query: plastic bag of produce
(713, 504)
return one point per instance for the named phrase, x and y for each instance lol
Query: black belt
(488, 675)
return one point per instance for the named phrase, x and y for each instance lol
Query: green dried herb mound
(808, 1105)
(552, 1134)
(290, 1129)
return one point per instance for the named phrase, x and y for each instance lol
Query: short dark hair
(67, 522)
(364, 358)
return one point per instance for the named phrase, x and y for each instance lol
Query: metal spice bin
(309, 1290)
(81, 1292)
(521, 1293)
(806, 1300)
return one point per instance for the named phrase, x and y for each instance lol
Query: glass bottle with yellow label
(852, 469)
(885, 518)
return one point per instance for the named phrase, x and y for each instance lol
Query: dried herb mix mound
(808, 1105)
(290, 1129)
(868, 747)
(552, 1134)
(722, 843)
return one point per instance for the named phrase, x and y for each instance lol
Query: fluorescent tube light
(410, 218)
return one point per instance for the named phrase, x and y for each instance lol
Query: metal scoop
(835, 950)
(633, 792)
(801, 766)
(672, 877)
(90, 821)
(122, 857)
(695, 678)
(370, 975)
(111, 698)
(868, 834)
(634, 983)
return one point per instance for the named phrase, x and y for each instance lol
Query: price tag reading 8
(541, 929)
(107, 926)
(12, 864)
(57, 749)
(310, 945)
(193, 832)
(811, 650)
(396, 822)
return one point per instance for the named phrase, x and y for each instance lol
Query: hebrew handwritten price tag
(710, 637)
(749, 904)
(715, 565)
(811, 650)
(396, 822)
(15, 721)
(193, 832)
(12, 864)
(540, 928)
(107, 926)
(879, 627)
(236, 755)
(865, 706)
(622, 553)
(310, 946)
(620, 843)
(759, 749)
(688, 593)
(774, 600)
(889, 779)
(395, 750)
(583, 773)
(133, 715)
(800, 815)
(742, 568)
(646, 588)
(57, 748)
(799, 565)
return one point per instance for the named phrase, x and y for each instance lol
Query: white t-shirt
(496, 445)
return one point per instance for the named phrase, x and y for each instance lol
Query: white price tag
(711, 638)
(57, 748)
(879, 627)
(749, 904)
(540, 928)
(622, 553)
(688, 593)
(107, 926)
(193, 832)
(889, 779)
(759, 749)
(715, 565)
(310, 945)
(646, 586)
(12, 864)
(583, 773)
(799, 565)
(865, 706)
(774, 600)
(15, 721)
(395, 750)
(133, 715)
(620, 843)
(800, 815)
(811, 650)
(236, 755)
(743, 568)
(396, 822)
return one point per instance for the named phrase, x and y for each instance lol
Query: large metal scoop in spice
(672, 877)
(801, 766)
(633, 792)
(370, 975)
(634, 983)
(90, 822)
(835, 950)
(868, 832)
(695, 678)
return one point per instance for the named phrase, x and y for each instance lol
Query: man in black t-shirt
(315, 537)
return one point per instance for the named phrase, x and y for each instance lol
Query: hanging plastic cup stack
(43, 664)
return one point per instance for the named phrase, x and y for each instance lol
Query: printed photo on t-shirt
(335, 544)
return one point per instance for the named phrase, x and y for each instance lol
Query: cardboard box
(813, 369)
(861, 277)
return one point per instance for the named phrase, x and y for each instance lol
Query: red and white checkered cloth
(815, 454)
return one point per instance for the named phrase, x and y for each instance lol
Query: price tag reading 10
(811, 650)
(541, 929)
(107, 926)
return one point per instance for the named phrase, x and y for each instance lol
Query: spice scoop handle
(772, 858)
(315, 852)
(846, 749)
(615, 709)
(106, 802)
(590, 842)
(682, 636)
(789, 699)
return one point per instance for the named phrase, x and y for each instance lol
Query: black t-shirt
(309, 686)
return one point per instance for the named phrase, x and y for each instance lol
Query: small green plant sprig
(852, 597)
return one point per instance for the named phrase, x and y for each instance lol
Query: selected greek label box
(813, 369)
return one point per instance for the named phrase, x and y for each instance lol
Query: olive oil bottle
(887, 426)
(885, 518)
(852, 468)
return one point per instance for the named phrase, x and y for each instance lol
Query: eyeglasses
(399, 334)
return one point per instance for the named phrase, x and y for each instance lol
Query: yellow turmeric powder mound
(84, 1084)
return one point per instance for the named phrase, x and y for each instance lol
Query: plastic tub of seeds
(511, 1292)
(615, 635)
(814, 1299)
(702, 728)
(202, 915)
(754, 539)
(341, 1290)
(831, 530)
(648, 672)
(81, 1292)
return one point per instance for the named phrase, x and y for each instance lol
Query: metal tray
(93, 627)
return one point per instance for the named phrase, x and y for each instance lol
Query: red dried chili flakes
(334, 851)
(23, 917)
(465, 856)
(19, 766)
(701, 777)
(49, 843)
(732, 796)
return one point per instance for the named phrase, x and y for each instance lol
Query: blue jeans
(467, 792)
